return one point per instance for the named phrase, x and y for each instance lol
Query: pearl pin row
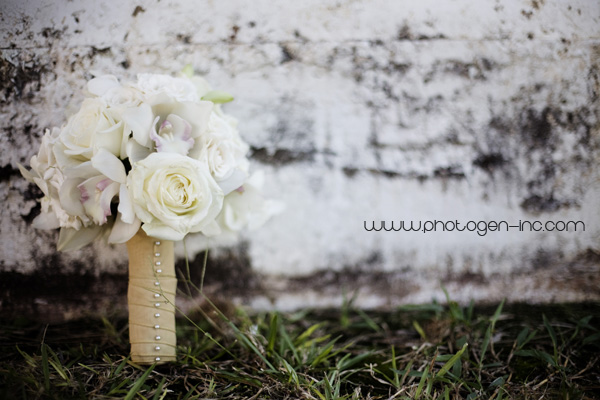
(157, 295)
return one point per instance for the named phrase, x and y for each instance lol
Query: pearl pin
(156, 326)
(156, 315)
(158, 263)
(157, 348)
(156, 304)
(157, 358)
(157, 283)
(158, 271)
(156, 295)
(156, 254)
(157, 338)
(157, 243)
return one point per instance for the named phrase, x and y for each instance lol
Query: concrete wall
(356, 111)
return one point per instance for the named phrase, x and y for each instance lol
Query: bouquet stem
(151, 299)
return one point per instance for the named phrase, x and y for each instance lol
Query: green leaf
(218, 97)
(188, 71)
(592, 338)
(307, 333)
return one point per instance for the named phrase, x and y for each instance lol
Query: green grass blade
(552, 337)
(395, 369)
(273, 329)
(138, 383)
(424, 377)
(159, 389)
(451, 362)
(45, 368)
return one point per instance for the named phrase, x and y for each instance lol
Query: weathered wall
(357, 111)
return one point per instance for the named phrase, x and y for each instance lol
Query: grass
(430, 351)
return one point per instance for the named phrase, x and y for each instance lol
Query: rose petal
(111, 138)
(163, 232)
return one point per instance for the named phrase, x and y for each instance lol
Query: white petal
(111, 138)
(123, 231)
(197, 114)
(139, 120)
(106, 198)
(211, 229)
(83, 170)
(236, 180)
(102, 84)
(125, 206)
(70, 197)
(26, 174)
(46, 221)
(109, 165)
(71, 239)
(163, 232)
(136, 151)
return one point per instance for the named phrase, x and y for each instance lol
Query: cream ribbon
(151, 299)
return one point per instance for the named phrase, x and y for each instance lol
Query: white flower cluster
(158, 153)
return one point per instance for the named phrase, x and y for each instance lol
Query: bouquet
(145, 163)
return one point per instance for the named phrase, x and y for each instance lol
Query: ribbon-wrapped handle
(151, 299)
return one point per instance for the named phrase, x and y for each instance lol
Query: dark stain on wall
(287, 54)
(137, 10)
(405, 33)
(538, 150)
(184, 38)
(489, 161)
(51, 295)
(451, 172)
(280, 156)
(21, 79)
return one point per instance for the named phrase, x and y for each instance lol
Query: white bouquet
(157, 154)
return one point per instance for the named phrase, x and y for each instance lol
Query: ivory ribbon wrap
(151, 299)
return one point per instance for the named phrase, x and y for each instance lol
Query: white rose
(90, 129)
(173, 195)
(180, 89)
(222, 149)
